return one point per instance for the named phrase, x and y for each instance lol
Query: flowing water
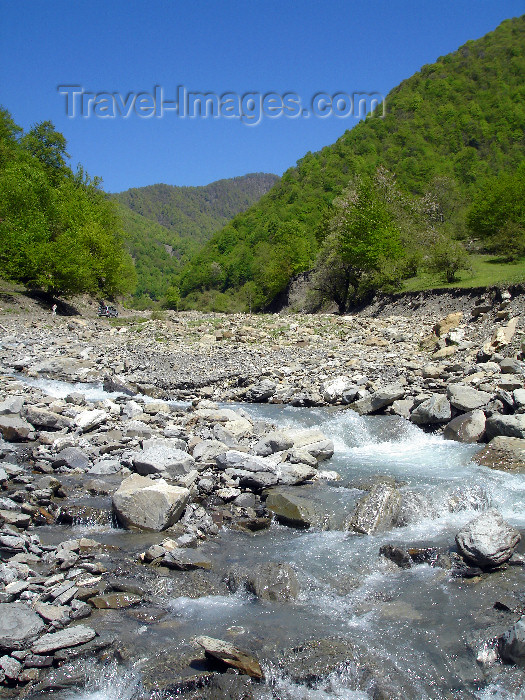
(419, 628)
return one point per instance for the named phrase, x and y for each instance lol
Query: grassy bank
(487, 271)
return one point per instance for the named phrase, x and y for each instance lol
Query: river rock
(71, 457)
(70, 637)
(89, 420)
(338, 389)
(509, 426)
(448, 323)
(273, 442)
(14, 428)
(163, 455)
(232, 656)
(312, 441)
(261, 392)
(47, 420)
(233, 459)
(271, 581)
(11, 667)
(294, 474)
(18, 626)
(378, 400)
(119, 385)
(511, 645)
(469, 427)
(274, 582)
(511, 366)
(115, 601)
(505, 453)
(186, 560)
(11, 405)
(465, 398)
(257, 481)
(488, 540)
(376, 511)
(290, 509)
(150, 505)
(434, 410)
(207, 450)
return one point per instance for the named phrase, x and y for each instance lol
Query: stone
(504, 453)
(234, 459)
(396, 554)
(273, 442)
(261, 392)
(487, 541)
(89, 420)
(104, 467)
(296, 511)
(257, 481)
(70, 637)
(43, 419)
(509, 426)
(445, 352)
(52, 613)
(232, 656)
(465, 398)
(376, 511)
(448, 323)
(340, 389)
(118, 384)
(511, 645)
(378, 400)
(186, 560)
(18, 626)
(14, 428)
(511, 366)
(312, 441)
(469, 427)
(274, 582)
(207, 450)
(150, 505)
(519, 398)
(11, 405)
(115, 601)
(71, 457)
(294, 474)
(163, 456)
(434, 410)
(11, 667)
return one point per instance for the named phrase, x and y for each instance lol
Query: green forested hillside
(58, 230)
(449, 132)
(166, 225)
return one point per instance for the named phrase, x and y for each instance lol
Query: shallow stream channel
(360, 626)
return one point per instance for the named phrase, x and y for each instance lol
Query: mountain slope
(165, 225)
(458, 121)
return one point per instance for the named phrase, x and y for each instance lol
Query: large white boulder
(149, 504)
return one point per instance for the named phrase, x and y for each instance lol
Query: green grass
(487, 271)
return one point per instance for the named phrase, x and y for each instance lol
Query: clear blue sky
(123, 46)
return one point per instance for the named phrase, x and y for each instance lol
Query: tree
(172, 298)
(58, 230)
(49, 147)
(447, 257)
(363, 235)
(497, 213)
